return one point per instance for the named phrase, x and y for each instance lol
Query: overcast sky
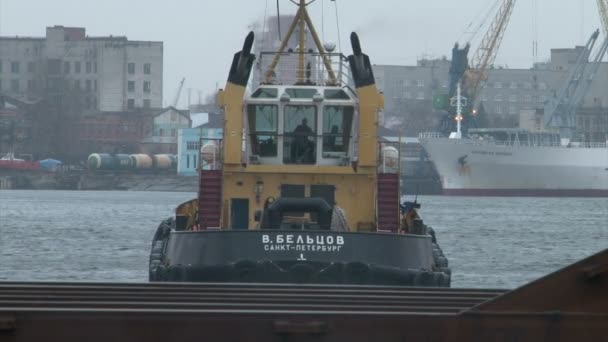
(200, 36)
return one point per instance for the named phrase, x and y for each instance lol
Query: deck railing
(315, 72)
(513, 143)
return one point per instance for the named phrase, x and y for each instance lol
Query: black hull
(355, 273)
(299, 257)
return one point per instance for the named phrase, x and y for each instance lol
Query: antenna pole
(458, 110)
(326, 60)
(277, 56)
(302, 43)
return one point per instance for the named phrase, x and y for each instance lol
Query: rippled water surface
(105, 236)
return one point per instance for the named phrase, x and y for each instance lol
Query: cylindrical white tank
(390, 156)
(101, 161)
(141, 161)
(162, 161)
(123, 161)
(210, 153)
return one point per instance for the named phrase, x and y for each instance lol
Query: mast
(460, 102)
(302, 19)
(458, 111)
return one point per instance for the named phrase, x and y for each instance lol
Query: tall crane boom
(602, 6)
(560, 111)
(179, 92)
(590, 75)
(485, 55)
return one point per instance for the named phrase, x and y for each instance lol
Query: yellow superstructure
(315, 138)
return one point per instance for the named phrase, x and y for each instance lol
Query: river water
(106, 235)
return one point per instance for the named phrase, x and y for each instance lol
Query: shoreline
(159, 181)
(106, 181)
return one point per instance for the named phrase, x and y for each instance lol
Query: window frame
(253, 145)
(314, 126)
(345, 135)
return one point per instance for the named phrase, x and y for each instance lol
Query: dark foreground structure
(568, 305)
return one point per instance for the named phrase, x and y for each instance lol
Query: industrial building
(74, 94)
(107, 74)
(163, 136)
(506, 93)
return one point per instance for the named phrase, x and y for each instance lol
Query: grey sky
(201, 35)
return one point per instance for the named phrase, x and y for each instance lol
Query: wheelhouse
(311, 125)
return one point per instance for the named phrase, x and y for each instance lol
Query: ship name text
(302, 242)
(492, 153)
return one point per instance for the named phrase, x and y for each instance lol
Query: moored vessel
(300, 190)
(517, 162)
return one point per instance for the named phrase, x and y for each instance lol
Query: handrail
(317, 71)
(480, 142)
(430, 135)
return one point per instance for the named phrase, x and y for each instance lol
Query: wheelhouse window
(263, 125)
(299, 93)
(265, 93)
(336, 94)
(300, 123)
(337, 123)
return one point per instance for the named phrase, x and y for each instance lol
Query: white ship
(516, 162)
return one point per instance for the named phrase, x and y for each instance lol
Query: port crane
(602, 6)
(560, 111)
(178, 93)
(471, 76)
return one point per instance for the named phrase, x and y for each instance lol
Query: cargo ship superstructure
(299, 189)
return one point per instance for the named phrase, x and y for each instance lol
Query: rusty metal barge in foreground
(568, 305)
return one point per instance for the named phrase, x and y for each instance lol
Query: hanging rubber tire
(329, 274)
(244, 270)
(441, 262)
(430, 231)
(176, 273)
(157, 257)
(301, 273)
(446, 278)
(157, 251)
(424, 279)
(357, 273)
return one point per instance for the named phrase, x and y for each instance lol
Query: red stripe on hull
(527, 192)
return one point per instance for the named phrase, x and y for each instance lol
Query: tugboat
(299, 189)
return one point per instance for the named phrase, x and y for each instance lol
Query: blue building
(189, 141)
